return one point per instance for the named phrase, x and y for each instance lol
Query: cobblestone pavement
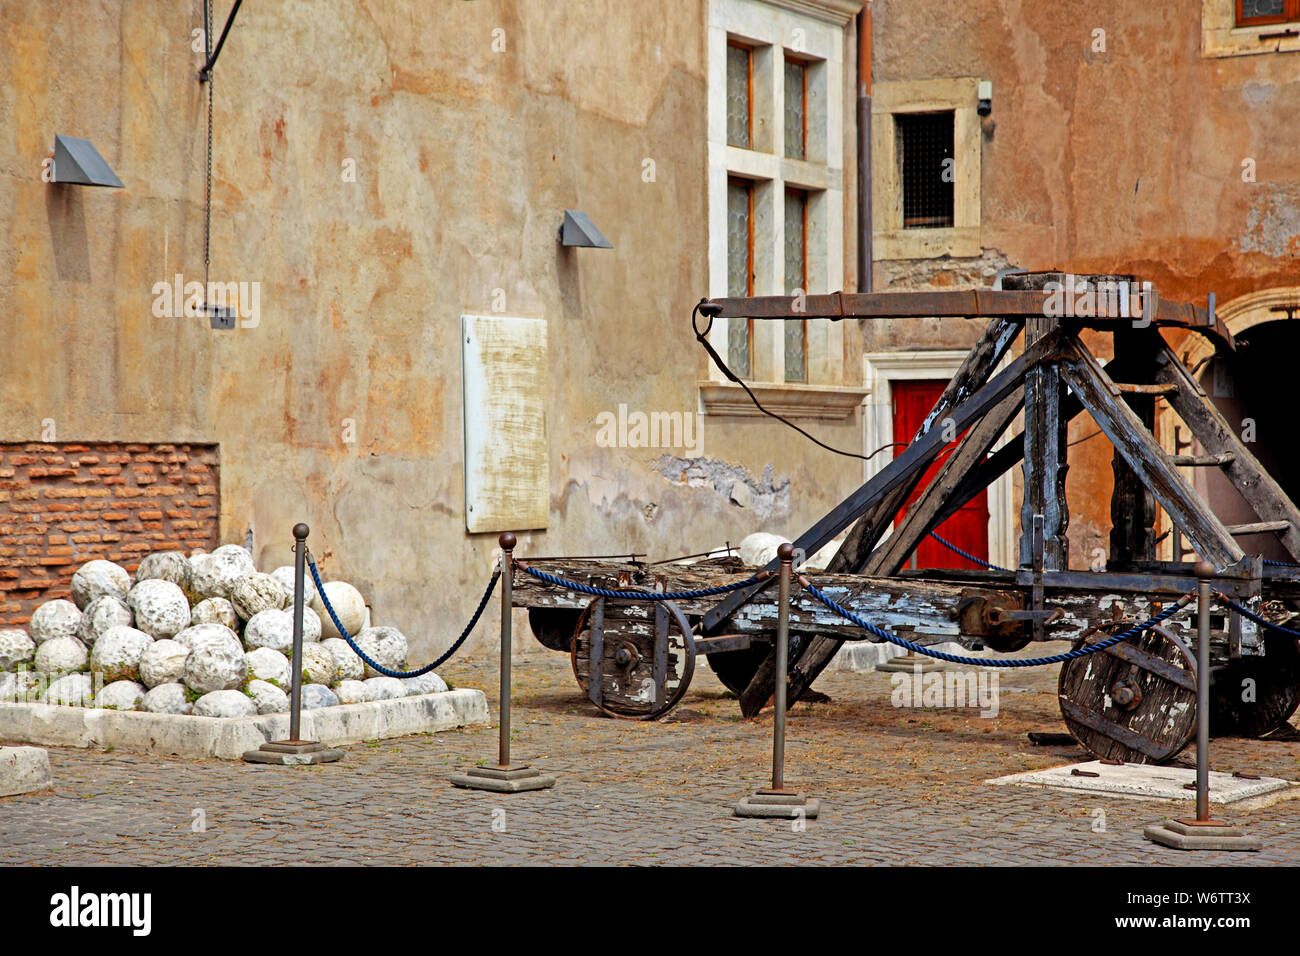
(898, 785)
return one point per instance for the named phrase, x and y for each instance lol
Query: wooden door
(968, 529)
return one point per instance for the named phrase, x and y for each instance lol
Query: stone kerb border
(51, 725)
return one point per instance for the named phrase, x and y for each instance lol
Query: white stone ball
(348, 605)
(170, 566)
(61, 655)
(214, 611)
(120, 695)
(385, 646)
(318, 665)
(161, 608)
(270, 628)
(256, 592)
(215, 663)
(99, 578)
(199, 632)
(352, 692)
(429, 683)
(74, 690)
(163, 662)
(317, 695)
(345, 658)
(167, 699)
(757, 549)
(267, 698)
(284, 576)
(16, 648)
(117, 654)
(212, 575)
(270, 666)
(20, 688)
(225, 703)
(311, 625)
(57, 618)
(385, 688)
(100, 615)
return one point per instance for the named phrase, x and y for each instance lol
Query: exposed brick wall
(65, 503)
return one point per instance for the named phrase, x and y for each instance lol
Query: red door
(968, 529)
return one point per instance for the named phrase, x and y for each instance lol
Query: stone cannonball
(167, 699)
(100, 615)
(318, 665)
(267, 698)
(225, 703)
(349, 665)
(161, 608)
(117, 653)
(76, 690)
(120, 695)
(214, 611)
(215, 663)
(61, 655)
(317, 695)
(385, 646)
(58, 618)
(163, 662)
(99, 578)
(270, 666)
(15, 648)
(348, 605)
(256, 592)
(171, 566)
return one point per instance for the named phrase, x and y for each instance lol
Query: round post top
(507, 541)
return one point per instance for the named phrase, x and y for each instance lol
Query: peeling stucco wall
(467, 129)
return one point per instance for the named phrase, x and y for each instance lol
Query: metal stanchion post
(778, 801)
(505, 777)
(1201, 833)
(295, 750)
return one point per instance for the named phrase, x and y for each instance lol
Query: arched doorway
(1255, 389)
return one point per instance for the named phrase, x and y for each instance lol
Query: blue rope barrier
(1247, 613)
(1280, 564)
(966, 554)
(999, 662)
(478, 612)
(640, 595)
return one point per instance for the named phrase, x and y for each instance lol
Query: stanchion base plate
(515, 778)
(779, 804)
(290, 753)
(1200, 835)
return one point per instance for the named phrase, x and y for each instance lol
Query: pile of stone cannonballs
(205, 634)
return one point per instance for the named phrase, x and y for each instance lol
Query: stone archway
(1242, 315)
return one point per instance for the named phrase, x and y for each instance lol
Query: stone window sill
(789, 399)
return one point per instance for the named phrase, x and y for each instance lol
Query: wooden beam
(1218, 437)
(1147, 459)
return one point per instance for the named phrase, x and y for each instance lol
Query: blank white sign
(506, 454)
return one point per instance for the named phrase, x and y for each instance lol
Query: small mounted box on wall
(76, 161)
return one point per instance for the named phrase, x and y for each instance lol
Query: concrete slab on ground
(24, 770)
(1144, 781)
(229, 738)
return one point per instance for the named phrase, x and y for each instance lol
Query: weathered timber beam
(1219, 438)
(1018, 304)
(1147, 459)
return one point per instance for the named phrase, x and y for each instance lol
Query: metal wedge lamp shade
(579, 230)
(77, 161)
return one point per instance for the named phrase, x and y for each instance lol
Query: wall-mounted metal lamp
(985, 94)
(77, 161)
(578, 230)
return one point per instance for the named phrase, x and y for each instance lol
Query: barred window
(925, 155)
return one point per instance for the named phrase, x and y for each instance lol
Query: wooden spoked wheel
(633, 659)
(1135, 701)
(1253, 696)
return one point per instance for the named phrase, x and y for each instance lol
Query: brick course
(63, 504)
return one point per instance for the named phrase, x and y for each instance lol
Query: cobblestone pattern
(898, 786)
(63, 504)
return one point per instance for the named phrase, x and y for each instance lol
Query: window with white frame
(776, 178)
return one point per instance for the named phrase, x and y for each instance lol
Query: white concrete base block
(229, 738)
(1144, 781)
(24, 770)
(866, 656)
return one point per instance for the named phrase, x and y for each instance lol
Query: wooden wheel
(1135, 701)
(633, 659)
(1253, 696)
(553, 626)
